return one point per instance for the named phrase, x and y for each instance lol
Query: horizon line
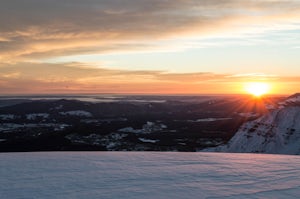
(139, 94)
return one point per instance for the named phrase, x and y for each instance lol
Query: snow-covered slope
(142, 175)
(293, 100)
(277, 132)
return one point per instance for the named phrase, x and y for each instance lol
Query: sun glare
(257, 88)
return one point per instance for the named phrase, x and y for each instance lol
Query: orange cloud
(80, 78)
(34, 29)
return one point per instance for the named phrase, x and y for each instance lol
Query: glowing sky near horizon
(148, 46)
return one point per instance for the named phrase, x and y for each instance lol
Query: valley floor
(148, 175)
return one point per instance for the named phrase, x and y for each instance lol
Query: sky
(148, 46)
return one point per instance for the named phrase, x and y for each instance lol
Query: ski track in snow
(139, 175)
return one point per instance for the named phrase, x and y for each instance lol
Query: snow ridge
(277, 132)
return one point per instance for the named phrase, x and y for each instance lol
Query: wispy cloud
(253, 75)
(33, 32)
(81, 78)
(32, 29)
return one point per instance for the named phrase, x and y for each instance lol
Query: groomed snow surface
(140, 175)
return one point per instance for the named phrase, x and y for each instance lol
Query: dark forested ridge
(131, 124)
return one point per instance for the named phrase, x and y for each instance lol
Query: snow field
(140, 175)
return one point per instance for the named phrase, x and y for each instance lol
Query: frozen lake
(148, 175)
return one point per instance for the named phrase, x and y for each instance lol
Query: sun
(257, 88)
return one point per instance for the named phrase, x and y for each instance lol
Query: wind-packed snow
(142, 175)
(277, 132)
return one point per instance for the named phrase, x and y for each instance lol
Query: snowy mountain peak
(276, 132)
(294, 95)
(294, 98)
